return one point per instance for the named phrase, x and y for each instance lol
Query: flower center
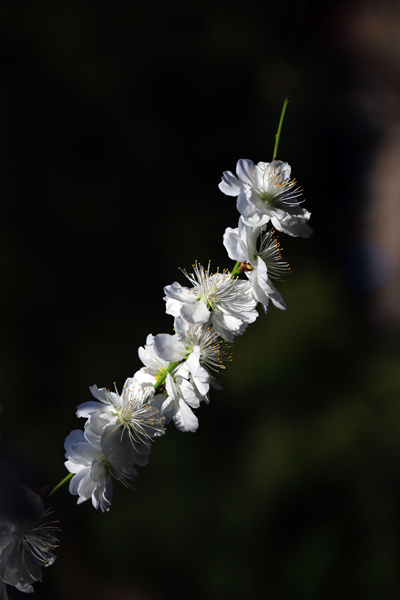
(270, 253)
(271, 197)
(278, 192)
(140, 421)
(39, 540)
(210, 300)
(213, 288)
(125, 476)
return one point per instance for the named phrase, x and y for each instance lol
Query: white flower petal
(84, 410)
(245, 207)
(77, 479)
(246, 170)
(184, 418)
(196, 312)
(233, 245)
(230, 184)
(169, 347)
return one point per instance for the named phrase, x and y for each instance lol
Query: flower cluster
(179, 369)
(27, 542)
(117, 435)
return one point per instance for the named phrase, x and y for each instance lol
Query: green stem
(65, 480)
(235, 271)
(278, 133)
(162, 379)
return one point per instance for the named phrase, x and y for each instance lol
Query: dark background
(116, 123)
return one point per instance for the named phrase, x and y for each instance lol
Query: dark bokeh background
(116, 123)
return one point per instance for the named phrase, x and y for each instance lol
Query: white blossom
(155, 366)
(199, 345)
(267, 193)
(261, 262)
(182, 394)
(218, 299)
(27, 542)
(92, 471)
(126, 423)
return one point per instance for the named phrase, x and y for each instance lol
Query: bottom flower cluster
(27, 542)
(117, 435)
(120, 428)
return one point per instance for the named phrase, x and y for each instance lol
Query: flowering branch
(178, 369)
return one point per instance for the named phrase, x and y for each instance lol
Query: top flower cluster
(178, 370)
